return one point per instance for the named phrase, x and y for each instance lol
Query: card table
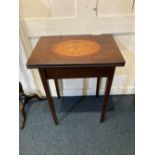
(78, 56)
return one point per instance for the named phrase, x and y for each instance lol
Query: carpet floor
(79, 131)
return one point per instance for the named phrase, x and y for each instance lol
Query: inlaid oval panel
(76, 47)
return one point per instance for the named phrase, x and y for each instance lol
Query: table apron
(52, 73)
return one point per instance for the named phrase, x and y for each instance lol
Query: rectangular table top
(79, 50)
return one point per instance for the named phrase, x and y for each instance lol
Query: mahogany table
(58, 57)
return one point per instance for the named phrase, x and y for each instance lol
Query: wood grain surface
(76, 47)
(81, 50)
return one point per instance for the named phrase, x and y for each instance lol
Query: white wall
(69, 17)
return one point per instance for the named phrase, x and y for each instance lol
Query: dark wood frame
(55, 66)
(76, 72)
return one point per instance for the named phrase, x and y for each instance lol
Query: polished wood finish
(43, 56)
(76, 72)
(48, 94)
(76, 47)
(56, 57)
(107, 92)
(98, 86)
(57, 87)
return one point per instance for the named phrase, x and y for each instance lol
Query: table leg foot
(102, 120)
(107, 92)
(48, 94)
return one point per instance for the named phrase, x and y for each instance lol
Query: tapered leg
(48, 94)
(98, 86)
(107, 92)
(57, 88)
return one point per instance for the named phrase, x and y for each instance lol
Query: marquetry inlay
(76, 47)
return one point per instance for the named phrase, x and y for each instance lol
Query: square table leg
(107, 92)
(57, 87)
(48, 94)
(98, 86)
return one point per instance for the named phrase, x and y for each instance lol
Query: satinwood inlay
(76, 47)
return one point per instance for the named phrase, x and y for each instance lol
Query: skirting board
(81, 92)
(114, 91)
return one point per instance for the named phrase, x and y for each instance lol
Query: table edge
(35, 66)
